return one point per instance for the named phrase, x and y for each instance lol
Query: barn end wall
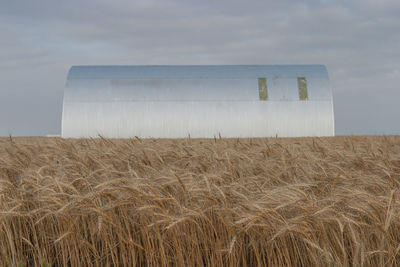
(200, 101)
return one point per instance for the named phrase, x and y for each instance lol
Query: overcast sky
(359, 42)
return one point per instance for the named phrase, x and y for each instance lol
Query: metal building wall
(203, 101)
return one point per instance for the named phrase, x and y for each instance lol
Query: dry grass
(254, 202)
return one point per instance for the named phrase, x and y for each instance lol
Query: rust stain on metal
(262, 89)
(303, 90)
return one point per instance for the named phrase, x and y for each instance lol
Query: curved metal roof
(203, 101)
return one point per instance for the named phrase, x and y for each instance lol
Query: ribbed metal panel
(203, 101)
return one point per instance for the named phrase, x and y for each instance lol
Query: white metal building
(200, 101)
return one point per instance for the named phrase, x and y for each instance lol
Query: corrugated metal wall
(203, 101)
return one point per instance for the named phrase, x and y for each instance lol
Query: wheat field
(200, 202)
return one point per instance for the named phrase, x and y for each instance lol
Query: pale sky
(358, 41)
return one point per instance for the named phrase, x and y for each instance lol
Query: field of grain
(191, 202)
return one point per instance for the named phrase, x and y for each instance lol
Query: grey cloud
(357, 40)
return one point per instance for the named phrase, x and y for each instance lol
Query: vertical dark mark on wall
(303, 91)
(262, 89)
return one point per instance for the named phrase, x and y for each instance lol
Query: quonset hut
(200, 101)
